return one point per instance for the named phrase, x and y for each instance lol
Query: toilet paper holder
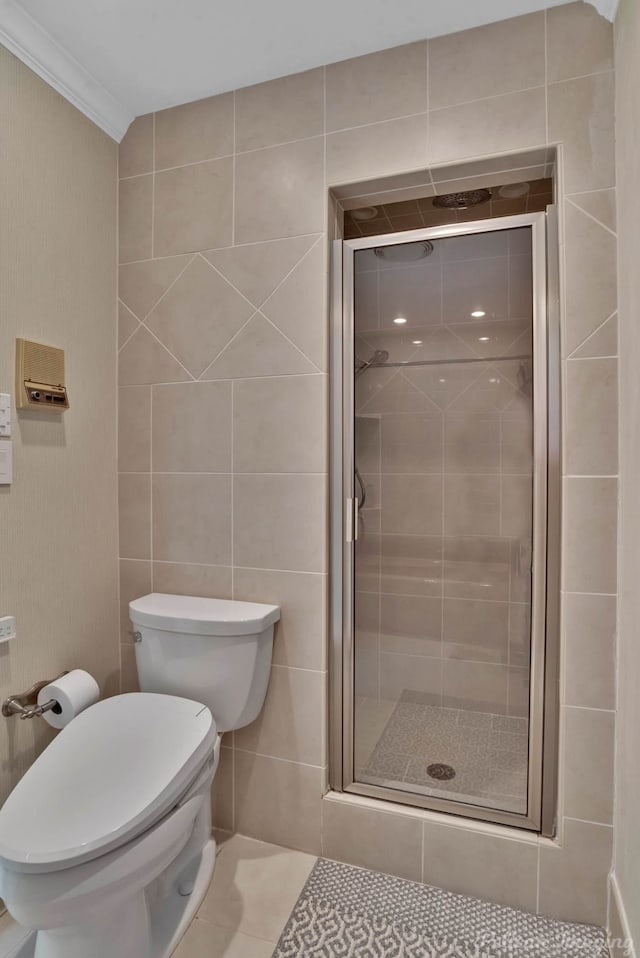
(25, 704)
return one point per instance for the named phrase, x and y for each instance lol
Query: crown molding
(608, 8)
(23, 37)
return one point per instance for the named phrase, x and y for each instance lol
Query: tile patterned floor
(345, 911)
(487, 751)
(264, 897)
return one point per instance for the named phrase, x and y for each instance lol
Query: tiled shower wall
(223, 429)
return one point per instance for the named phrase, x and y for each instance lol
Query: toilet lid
(107, 776)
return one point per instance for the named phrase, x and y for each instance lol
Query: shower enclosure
(445, 520)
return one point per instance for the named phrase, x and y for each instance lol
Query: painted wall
(58, 521)
(223, 429)
(627, 843)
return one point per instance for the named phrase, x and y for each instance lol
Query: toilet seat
(113, 772)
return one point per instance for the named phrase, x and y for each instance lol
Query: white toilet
(105, 843)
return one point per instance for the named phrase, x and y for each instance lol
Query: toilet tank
(214, 651)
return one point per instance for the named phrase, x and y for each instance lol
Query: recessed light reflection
(483, 339)
(416, 342)
(478, 313)
(400, 320)
(442, 380)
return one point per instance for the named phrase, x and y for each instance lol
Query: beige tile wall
(59, 520)
(625, 902)
(223, 246)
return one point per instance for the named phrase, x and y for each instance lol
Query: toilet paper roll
(73, 692)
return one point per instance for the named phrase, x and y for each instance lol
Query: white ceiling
(117, 59)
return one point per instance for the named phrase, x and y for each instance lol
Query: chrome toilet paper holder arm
(25, 704)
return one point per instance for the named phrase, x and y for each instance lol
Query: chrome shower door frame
(541, 798)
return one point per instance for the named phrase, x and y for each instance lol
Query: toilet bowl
(105, 843)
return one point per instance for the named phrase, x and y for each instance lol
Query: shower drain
(441, 772)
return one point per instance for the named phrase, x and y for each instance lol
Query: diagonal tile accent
(259, 349)
(127, 324)
(591, 276)
(258, 269)
(398, 395)
(523, 345)
(601, 205)
(144, 360)
(297, 307)
(510, 370)
(443, 386)
(501, 336)
(489, 394)
(198, 316)
(142, 284)
(442, 343)
(604, 342)
(369, 384)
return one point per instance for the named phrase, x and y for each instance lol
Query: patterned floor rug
(487, 754)
(346, 912)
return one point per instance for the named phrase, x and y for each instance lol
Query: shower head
(405, 252)
(379, 358)
(463, 200)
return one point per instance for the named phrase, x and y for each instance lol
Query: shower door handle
(351, 520)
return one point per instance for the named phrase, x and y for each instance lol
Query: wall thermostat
(40, 381)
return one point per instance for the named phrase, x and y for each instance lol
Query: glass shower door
(444, 428)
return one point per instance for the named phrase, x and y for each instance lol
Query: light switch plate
(7, 627)
(6, 462)
(5, 415)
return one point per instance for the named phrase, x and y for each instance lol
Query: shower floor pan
(457, 754)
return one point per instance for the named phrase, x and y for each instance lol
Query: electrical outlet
(7, 627)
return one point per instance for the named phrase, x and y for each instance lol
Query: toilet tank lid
(200, 616)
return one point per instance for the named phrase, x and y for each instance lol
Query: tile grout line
(213, 565)
(192, 257)
(298, 668)
(232, 430)
(224, 379)
(511, 93)
(233, 177)
(590, 336)
(233, 580)
(167, 350)
(589, 359)
(217, 356)
(591, 216)
(227, 475)
(151, 482)
(117, 394)
(217, 249)
(180, 166)
(392, 119)
(128, 340)
(278, 758)
(258, 310)
(225, 279)
(153, 184)
(546, 78)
